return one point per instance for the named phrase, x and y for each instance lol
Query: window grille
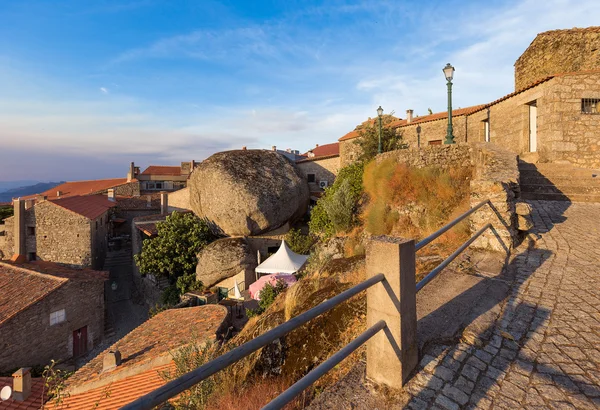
(590, 105)
(57, 317)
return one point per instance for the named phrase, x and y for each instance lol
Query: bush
(187, 283)
(298, 242)
(337, 210)
(267, 297)
(368, 138)
(170, 296)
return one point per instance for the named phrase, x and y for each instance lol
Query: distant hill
(8, 195)
(6, 185)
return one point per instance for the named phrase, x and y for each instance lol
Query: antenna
(5, 393)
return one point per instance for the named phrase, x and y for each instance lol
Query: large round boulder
(225, 258)
(248, 192)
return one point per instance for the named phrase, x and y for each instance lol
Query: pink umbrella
(257, 286)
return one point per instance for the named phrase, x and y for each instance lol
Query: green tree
(368, 138)
(5, 212)
(173, 253)
(337, 209)
(298, 242)
(267, 297)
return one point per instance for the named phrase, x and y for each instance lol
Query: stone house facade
(48, 311)
(163, 178)
(72, 231)
(556, 118)
(320, 167)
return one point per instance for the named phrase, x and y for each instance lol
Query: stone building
(157, 178)
(320, 167)
(554, 118)
(72, 230)
(48, 311)
(134, 365)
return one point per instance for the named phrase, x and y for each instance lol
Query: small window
(590, 105)
(96, 224)
(31, 230)
(57, 317)
(272, 249)
(435, 142)
(311, 177)
(2, 233)
(159, 185)
(485, 129)
(31, 256)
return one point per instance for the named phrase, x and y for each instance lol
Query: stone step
(558, 173)
(561, 189)
(560, 197)
(558, 180)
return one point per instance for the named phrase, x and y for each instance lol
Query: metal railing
(188, 380)
(426, 241)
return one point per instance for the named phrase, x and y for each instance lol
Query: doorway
(532, 126)
(80, 341)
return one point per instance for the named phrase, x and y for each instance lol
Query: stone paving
(544, 350)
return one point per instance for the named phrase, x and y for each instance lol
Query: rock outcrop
(248, 192)
(223, 259)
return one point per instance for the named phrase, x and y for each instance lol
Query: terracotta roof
(22, 285)
(81, 188)
(162, 170)
(324, 150)
(89, 206)
(150, 345)
(119, 393)
(149, 228)
(33, 402)
(21, 288)
(371, 121)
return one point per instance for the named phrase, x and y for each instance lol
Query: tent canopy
(283, 261)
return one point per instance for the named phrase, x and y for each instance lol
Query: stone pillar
(20, 246)
(164, 203)
(21, 384)
(392, 354)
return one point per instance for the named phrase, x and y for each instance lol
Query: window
(272, 249)
(590, 105)
(159, 185)
(57, 317)
(485, 129)
(435, 142)
(311, 177)
(31, 256)
(31, 230)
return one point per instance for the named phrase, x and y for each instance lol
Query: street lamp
(449, 73)
(379, 114)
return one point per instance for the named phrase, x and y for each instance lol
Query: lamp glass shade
(380, 111)
(448, 72)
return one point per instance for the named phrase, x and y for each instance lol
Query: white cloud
(104, 90)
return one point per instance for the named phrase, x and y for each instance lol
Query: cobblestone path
(544, 350)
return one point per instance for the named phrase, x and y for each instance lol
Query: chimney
(111, 360)
(29, 203)
(244, 148)
(164, 203)
(149, 203)
(409, 116)
(41, 198)
(21, 384)
(20, 249)
(59, 193)
(111, 194)
(317, 146)
(131, 173)
(274, 148)
(288, 150)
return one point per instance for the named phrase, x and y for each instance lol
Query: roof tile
(162, 170)
(33, 402)
(89, 206)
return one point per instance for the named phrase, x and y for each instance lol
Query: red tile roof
(118, 393)
(162, 170)
(81, 188)
(324, 150)
(150, 345)
(21, 288)
(33, 402)
(89, 206)
(371, 121)
(22, 285)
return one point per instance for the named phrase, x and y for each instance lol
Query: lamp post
(379, 114)
(449, 73)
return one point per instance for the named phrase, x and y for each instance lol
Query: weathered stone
(524, 222)
(223, 259)
(248, 192)
(522, 208)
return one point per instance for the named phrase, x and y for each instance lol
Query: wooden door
(80, 342)
(532, 127)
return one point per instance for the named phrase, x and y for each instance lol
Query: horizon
(87, 89)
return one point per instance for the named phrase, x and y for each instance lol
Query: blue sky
(88, 86)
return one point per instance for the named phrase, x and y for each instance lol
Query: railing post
(392, 354)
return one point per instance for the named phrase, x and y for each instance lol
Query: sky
(88, 86)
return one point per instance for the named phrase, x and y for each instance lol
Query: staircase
(558, 182)
(113, 262)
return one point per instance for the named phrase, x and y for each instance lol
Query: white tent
(283, 261)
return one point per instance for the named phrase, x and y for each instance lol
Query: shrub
(267, 297)
(187, 283)
(298, 242)
(170, 296)
(368, 138)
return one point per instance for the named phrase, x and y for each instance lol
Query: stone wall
(434, 131)
(349, 152)
(27, 339)
(100, 229)
(324, 170)
(179, 200)
(558, 51)
(60, 235)
(128, 189)
(495, 177)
